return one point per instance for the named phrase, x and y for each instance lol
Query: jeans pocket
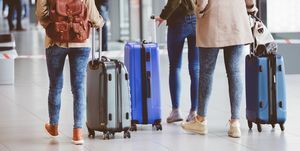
(50, 49)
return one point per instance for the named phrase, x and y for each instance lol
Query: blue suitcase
(142, 62)
(265, 90)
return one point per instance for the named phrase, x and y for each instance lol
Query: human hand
(159, 20)
(252, 11)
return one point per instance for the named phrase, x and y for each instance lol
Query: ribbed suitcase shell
(261, 108)
(108, 98)
(142, 62)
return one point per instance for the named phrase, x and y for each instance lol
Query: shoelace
(227, 124)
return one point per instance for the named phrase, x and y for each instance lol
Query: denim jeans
(232, 57)
(78, 58)
(178, 31)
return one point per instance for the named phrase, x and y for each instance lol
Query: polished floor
(23, 112)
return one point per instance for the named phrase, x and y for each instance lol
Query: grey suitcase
(108, 96)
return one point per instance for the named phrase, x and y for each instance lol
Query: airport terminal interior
(24, 106)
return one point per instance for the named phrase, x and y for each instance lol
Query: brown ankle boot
(77, 136)
(51, 129)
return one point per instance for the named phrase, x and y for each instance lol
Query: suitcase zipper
(119, 98)
(144, 84)
(272, 89)
(270, 77)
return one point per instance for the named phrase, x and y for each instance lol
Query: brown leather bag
(69, 21)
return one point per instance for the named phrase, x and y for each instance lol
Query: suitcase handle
(94, 43)
(148, 84)
(152, 17)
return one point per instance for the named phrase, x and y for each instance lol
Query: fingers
(159, 23)
(159, 20)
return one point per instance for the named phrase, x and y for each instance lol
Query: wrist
(251, 9)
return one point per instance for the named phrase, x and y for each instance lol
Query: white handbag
(264, 42)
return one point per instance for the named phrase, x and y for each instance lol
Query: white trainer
(195, 126)
(234, 129)
(174, 116)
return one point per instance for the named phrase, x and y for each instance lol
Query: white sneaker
(174, 116)
(191, 116)
(234, 130)
(195, 126)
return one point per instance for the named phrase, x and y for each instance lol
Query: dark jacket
(101, 2)
(176, 9)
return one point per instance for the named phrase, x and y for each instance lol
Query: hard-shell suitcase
(108, 97)
(265, 86)
(142, 62)
(265, 91)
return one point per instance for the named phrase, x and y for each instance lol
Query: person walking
(78, 54)
(15, 6)
(221, 25)
(102, 6)
(181, 22)
(4, 3)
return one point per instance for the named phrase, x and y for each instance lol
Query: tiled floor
(23, 111)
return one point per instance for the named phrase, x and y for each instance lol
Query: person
(78, 54)
(181, 22)
(102, 6)
(221, 25)
(4, 3)
(15, 5)
(25, 8)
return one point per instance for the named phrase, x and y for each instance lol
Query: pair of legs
(78, 58)
(178, 31)
(208, 58)
(232, 58)
(15, 5)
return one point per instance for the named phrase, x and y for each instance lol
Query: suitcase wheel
(111, 135)
(273, 125)
(282, 126)
(127, 134)
(91, 132)
(133, 127)
(158, 127)
(250, 125)
(259, 127)
(106, 135)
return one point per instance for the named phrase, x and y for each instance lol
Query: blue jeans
(78, 58)
(178, 31)
(232, 57)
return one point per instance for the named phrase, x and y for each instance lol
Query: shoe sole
(173, 121)
(80, 142)
(195, 131)
(233, 136)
